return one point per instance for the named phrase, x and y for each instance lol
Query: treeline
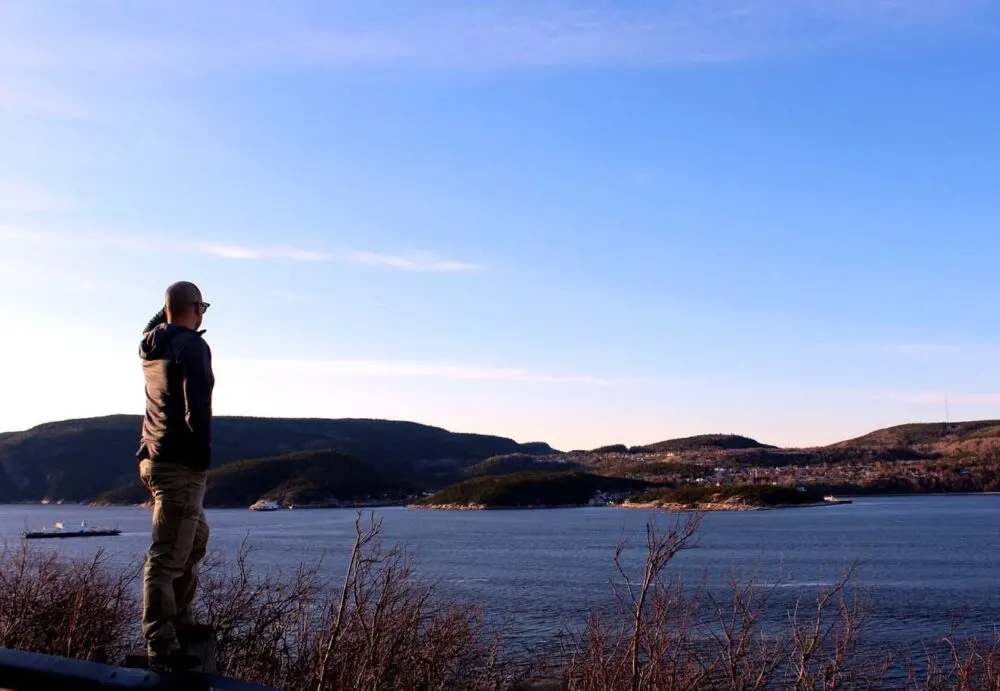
(531, 490)
(304, 478)
(758, 495)
(703, 442)
(78, 460)
(520, 463)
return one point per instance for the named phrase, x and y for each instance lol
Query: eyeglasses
(204, 305)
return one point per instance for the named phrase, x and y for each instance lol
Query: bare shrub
(78, 609)
(647, 641)
(664, 637)
(824, 651)
(967, 666)
(261, 622)
(745, 655)
(381, 628)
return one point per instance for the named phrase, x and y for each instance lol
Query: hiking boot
(194, 633)
(178, 660)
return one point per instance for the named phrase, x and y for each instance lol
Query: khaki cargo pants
(179, 541)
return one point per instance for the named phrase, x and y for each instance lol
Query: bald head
(184, 305)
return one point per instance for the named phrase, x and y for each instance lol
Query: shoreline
(404, 504)
(230, 507)
(721, 506)
(483, 507)
(674, 508)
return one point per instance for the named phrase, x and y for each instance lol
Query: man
(174, 452)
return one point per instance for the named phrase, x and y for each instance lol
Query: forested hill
(76, 460)
(704, 442)
(304, 478)
(938, 436)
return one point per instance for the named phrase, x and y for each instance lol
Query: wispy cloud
(412, 262)
(420, 261)
(19, 196)
(190, 34)
(81, 65)
(404, 369)
(245, 253)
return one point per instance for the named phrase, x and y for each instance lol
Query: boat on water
(830, 499)
(265, 505)
(60, 531)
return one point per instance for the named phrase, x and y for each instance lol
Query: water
(924, 560)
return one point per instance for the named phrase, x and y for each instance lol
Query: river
(924, 560)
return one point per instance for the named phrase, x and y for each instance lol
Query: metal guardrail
(22, 671)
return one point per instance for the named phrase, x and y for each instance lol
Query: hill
(611, 448)
(77, 460)
(529, 490)
(774, 458)
(737, 497)
(702, 442)
(520, 463)
(931, 434)
(303, 478)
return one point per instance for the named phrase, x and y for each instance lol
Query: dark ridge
(518, 463)
(530, 490)
(612, 448)
(304, 478)
(76, 460)
(703, 442)
(923, 434)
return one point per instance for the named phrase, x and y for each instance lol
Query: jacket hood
(153, 342)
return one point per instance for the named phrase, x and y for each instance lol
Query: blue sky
(581, 222)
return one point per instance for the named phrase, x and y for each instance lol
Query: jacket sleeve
(198, 382)
(157, 319)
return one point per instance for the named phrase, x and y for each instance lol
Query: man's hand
(158, 318)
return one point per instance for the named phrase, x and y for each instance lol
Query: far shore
(459, 507)
(673, 508)
(723, 506)
(295, 507)
(483, 507)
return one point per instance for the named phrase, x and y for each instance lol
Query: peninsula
(732, 498)
(528, 490)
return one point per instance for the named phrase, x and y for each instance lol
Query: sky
(578, 222)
